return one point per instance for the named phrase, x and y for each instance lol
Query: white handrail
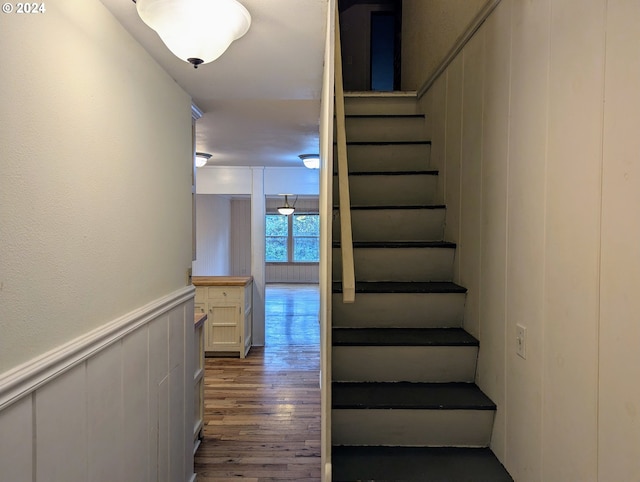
(346, 236)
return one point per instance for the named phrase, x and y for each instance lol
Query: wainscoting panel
(104, 407)
(158, 403)
(61, 427)
(16, 441)
(177, 392)
(292, 273)
(135, 375)
(117, 405)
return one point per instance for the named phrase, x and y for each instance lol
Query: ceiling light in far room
(311, 161)
(202, 158)
(287, 209)
(196, 31)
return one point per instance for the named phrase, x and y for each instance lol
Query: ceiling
(261, 98)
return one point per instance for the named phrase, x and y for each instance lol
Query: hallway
(262, 414)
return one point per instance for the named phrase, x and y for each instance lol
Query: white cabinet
(227, 301)
(198, 379)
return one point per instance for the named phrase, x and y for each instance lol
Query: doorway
(370, 32)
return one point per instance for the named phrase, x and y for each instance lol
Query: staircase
(404, 402)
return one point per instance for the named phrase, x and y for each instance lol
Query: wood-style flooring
(262, 414)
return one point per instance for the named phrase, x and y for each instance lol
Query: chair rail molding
(28, 377)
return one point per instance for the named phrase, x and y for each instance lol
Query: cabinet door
(223, 332)
(200, 307)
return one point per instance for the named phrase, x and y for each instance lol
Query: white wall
(213, 235)
(539, 154)
(95, 209)
(429, 29)
(95, 199)
(239, 180)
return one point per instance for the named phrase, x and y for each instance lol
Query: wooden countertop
(221, 280)
(199, 318)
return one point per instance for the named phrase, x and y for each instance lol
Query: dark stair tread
(426, 464)
(386, 143)
(378, 116)
(402, 337)
(409, 396)
(400, 244)
(403, 287)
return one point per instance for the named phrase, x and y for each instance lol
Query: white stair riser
(418, 428)
(398, 264)
(389, 105)
(438, 364)
(394, 225)
(387, 157)
(399, 310)
(395, 129)
(391, 190)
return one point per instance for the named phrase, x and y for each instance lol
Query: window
(292, 239)
(277, 231)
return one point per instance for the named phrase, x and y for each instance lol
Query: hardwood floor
(262, 414)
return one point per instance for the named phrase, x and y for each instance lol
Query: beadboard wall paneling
(124, 412)
(240, 237)
(292, 273)
(539, 151)
(213, 233)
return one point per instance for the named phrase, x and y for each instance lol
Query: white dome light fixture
(202, 158)
(311, 161)
(287, 209)
(196, 31)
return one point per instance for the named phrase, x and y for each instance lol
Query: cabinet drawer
(224, 293)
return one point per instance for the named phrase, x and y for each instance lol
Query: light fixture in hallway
(196, 31)
(287, 209)
(202, 158)
(310, 161)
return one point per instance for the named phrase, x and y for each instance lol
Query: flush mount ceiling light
(202, 158)
(311, 161)
(196, 31)
(287, 209)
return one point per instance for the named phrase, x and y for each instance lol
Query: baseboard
(26, 378)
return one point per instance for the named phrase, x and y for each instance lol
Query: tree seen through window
(293, 239)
